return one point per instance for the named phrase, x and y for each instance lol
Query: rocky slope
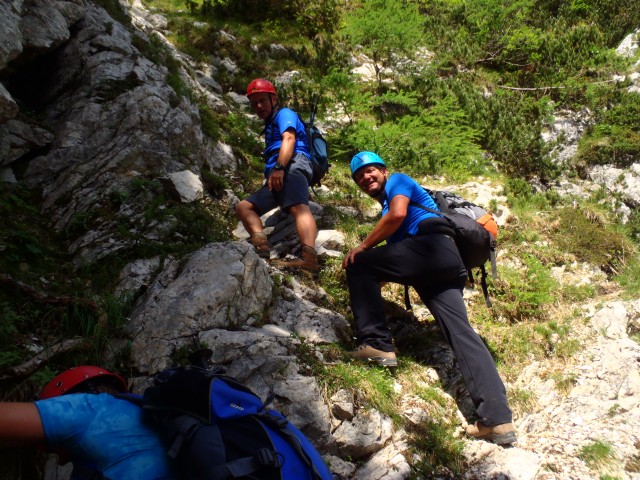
(106, 117)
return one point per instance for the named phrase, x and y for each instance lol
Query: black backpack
(216, 428)
(317, 146)
(475, 233)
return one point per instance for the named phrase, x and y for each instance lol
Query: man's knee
(356, 268)
(244, 208)
(299, 209)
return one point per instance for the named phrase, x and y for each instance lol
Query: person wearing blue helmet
(419, 251)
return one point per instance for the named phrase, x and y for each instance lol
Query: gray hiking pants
(431, 264)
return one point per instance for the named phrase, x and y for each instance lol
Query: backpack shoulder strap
(424, 207)
(243, 467)
(485, 289)
(270, 121)
(282, 425)
(431, 210)
(184, 428)
(492, 258)
(314, 109)
(407, 301)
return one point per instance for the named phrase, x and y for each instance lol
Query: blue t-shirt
(401, 184)
(107, 432)
(284, 120)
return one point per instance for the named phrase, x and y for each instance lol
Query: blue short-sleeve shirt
(401, 184)
(285, 119)
(107, 432)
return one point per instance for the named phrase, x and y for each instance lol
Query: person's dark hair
(98, 385)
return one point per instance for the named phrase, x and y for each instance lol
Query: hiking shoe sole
(371, 354)
(383, 362)
(490, 435)
(502, 438)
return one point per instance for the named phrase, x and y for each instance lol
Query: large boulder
(219, 286)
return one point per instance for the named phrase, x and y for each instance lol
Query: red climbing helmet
(75, 376)
(260, 85)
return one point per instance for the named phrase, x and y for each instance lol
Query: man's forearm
(383, 230)
(286, 148)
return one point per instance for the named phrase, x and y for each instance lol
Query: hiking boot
(503, 434)
(307, 261)
(261, 244)
(370, 354)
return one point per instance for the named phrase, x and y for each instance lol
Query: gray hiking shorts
(297, 176)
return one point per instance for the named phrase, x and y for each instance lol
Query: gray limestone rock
(219, 286)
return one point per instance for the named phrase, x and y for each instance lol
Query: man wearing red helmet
(288, 171)
(78, 416)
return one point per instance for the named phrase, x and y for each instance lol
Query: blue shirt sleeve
(401, 184)
(106, 432)
(285, 119)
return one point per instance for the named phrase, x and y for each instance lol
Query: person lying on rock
(288, 171)
(420, 252)
(78, 417)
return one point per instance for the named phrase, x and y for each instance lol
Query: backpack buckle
(274, 421)
(267, 458)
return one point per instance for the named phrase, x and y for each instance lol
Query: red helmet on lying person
(74, 379)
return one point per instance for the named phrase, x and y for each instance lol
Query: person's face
(371, 179)
(262, 104)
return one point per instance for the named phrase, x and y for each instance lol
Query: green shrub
(317, 18)
(435, 141)
(209, 122)
(525, 295)
(629, 278)
(514, 136)
(615, 137)
(597, 454)
(586, 234)
(385, 42)
(521, 401)
(564, 381)
(435, 446)
(373, 385)
(517, 190)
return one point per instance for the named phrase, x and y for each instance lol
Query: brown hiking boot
(261, 244)
(503, 434)
(368, 353)
(307, 261)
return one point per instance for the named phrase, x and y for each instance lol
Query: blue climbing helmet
(363, 159)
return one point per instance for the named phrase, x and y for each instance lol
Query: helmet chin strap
(274, 109)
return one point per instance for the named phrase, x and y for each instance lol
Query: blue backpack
(216, 428)
(317, 146)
